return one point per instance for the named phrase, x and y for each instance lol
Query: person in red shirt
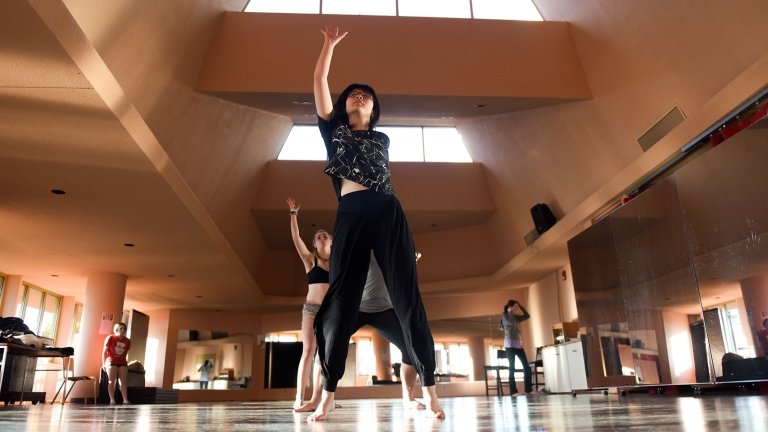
(114, 360)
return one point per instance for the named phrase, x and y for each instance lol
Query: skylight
(523, 10)
(407, 144)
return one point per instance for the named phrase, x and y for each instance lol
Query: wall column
(104, 297)
(383, 359)
(11, 292)
(477, 351)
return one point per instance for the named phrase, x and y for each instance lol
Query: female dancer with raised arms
(369, 218)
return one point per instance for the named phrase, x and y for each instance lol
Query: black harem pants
(369, 220)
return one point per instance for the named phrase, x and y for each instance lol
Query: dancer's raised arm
(323, 101)
(301, 248)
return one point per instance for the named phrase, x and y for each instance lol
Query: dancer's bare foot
(311, 406)
(413, 404)
(433, 405)
(298, 403)
(324, 408)
(307, 407)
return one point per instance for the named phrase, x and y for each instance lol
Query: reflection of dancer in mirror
(114, 360)
(369, 217)
(514, 313)
(762, 337)
(376, 311)
(204, 370)
(316, 266)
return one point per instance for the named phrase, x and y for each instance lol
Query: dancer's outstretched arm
(323, 101)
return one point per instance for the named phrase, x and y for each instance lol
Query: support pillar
(104, 297)
(477, 351)
(11, 291)
(383, 359)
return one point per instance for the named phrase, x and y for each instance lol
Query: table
(15, 371)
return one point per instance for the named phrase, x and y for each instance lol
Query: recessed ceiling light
(199, 296)
(447, 117)
(481, 106)
(302, 102)
(129, 244)
(171, 275)
(58, 192)
(54, 275)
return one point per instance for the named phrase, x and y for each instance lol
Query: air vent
(661, 128)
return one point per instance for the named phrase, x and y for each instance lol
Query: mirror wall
(228, 357)
(673, 286)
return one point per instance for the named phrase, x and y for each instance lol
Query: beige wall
(678, 337)
(640, 60)
(156, 53)
(499, 58)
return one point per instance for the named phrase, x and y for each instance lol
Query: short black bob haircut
(340, 107)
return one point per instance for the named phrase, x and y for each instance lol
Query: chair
(537, 368)
(74, 380)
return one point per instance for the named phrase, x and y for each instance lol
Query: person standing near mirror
(316, 265)
(514, 313)
(369, 217)
(204, 370)
(762, 337)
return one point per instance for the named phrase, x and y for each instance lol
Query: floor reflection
(585, 412)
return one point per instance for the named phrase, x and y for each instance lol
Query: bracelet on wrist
(294, 211)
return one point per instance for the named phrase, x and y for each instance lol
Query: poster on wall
(107, 321)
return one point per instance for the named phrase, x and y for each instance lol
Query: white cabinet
(577, 371)
(564, 369)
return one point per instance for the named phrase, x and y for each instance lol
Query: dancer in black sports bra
(316, 266)
(317, 274)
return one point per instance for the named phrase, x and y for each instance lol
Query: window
(366, 359)
(743, 346)
(459, 358)
(407, 144)
(435, 8)
(453, 358)
(355, 7)
(74, 335)
(523, 10)
(444, 144)
(39, 310)
(495, 361)
(282, 6)
(395, 356)
(281, 337)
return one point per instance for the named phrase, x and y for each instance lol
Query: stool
(75, 380)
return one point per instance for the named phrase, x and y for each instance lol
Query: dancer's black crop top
(359, 156)
(317, 274)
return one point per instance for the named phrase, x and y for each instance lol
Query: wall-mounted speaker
(543, 218)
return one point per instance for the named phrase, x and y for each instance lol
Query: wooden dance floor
(585, 412)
